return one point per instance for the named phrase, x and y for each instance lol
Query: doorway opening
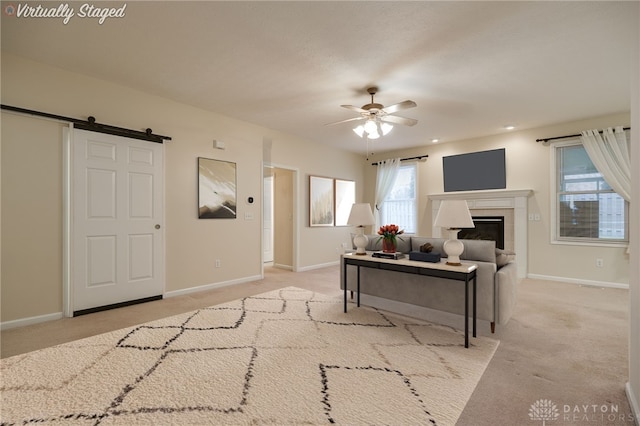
(279, 217)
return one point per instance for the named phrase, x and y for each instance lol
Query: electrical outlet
(599, 263)
(217, 263)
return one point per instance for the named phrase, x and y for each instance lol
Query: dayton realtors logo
(64, 12)
(546, 410)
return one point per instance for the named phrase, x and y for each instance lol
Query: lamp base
(360, 241)
(453, 247)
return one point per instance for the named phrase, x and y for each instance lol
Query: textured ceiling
(472, 67)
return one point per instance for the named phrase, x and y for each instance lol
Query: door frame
(67, 221)
(296, 225)
(67, 218)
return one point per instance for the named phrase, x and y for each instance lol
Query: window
(587, 209)
(400, 207)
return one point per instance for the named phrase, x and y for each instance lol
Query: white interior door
(118, 220)
(268, 219)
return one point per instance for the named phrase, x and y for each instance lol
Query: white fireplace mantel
(494, 199)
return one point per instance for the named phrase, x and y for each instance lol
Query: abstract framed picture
(321, 199)
(345, 197)
(217, 198)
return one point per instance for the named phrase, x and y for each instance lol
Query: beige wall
(31, 283)
(528, 167)
(31, 216)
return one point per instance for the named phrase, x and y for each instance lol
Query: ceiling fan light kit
(378, 117)
(373, 129)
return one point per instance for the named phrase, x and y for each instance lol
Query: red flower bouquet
(388, 235)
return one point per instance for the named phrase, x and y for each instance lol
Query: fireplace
(486, 228)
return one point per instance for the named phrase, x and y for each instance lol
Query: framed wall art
(216, 189)
(345, 191)
(321, 199)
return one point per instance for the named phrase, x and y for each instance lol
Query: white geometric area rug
(287, 357)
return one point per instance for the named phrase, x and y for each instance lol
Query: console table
(465, 273)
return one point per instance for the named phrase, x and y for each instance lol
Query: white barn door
(118, 220)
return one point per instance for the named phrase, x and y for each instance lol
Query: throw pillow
(503, 257)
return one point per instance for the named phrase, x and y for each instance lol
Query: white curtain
(609, 152)
(387, 172)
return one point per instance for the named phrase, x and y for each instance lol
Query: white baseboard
(30, 321)
(281, 266)
(211, 286)
(58, 315)
(318, 266)
(633, 402)
(578, 281)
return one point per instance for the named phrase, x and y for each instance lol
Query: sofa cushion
(482, 250)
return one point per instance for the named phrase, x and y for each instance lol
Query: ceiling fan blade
(345, 121)
(353, 108)
(399, 120)
(399, 106)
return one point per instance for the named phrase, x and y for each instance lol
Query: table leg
(344, 281)
(466, 312)
(475, 277)
(358, 286)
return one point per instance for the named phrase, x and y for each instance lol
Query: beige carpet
(289, 356)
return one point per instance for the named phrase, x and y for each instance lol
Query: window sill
(613, 244)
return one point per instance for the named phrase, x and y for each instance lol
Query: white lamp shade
(370, 126)
(454, 214)
(373, 135)
(361, 215)
(386, 128)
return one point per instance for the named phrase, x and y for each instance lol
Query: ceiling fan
(378, 117)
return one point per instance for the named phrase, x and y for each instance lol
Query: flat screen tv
(475, 171)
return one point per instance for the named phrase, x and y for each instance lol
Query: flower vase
(388, 246)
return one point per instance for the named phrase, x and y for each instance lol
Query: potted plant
(388, 235)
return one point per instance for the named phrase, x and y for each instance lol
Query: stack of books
(384, 255)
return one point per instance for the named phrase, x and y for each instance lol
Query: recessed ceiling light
(509, 127)
(435, 140)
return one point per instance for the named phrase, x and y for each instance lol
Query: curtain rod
(407, 159)
(91, 124)
(567, 136)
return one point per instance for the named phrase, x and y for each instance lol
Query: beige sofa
(497, 281)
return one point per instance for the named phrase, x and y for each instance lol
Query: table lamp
(360, 217)
(454, 215)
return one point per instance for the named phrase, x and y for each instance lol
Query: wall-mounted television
(475, 171)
